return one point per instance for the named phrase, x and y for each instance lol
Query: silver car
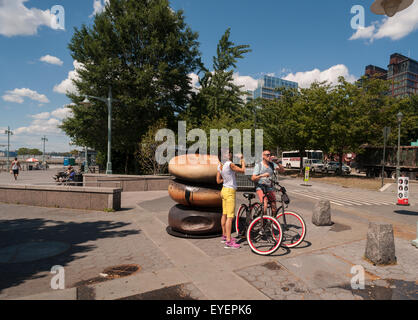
(334, 167)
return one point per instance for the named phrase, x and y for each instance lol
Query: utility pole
(9, 133)
(44, 139)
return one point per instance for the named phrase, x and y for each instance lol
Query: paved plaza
(85, 243)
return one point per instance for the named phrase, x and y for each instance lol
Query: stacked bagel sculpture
(199, 209)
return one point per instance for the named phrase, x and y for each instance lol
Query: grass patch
(353, 181)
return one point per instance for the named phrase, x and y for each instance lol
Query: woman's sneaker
(224, 239)
(232, 245)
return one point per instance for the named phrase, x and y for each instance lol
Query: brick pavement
(201, 267)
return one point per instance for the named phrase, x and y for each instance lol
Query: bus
(291, 159)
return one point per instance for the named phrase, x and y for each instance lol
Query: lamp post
(398, 169)
(390, 7)
(108, 101)
(9, 133)
(44, 139)
(86, 166)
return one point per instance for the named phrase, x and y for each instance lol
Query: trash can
(66, 162)
(30, 167)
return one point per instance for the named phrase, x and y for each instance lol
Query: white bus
(291, 159)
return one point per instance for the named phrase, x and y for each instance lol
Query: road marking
(337, 202)
(337, 199)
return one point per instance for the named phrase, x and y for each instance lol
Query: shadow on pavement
(76, 235)
(407, 212)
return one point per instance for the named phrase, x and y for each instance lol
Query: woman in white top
(15, 166)
(226, 176)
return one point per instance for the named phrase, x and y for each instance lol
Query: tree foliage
(218, 95)
(144, 51)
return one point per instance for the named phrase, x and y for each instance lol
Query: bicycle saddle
(249, 196)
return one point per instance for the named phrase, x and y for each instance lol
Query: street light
(398, 169)
(390, 7)
(108, 101)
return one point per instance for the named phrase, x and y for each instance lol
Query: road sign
(307, 174)
(403, 191)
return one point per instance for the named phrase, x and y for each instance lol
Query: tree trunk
(127, 163)
(340, 160)
(302, 154)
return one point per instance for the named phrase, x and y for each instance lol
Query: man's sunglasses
(267, 154)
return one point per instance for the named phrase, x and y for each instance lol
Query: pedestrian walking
(15, 167)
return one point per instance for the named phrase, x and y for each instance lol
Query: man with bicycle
(263, 172)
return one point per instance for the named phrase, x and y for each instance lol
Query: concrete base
(62, 197)
(127, 183)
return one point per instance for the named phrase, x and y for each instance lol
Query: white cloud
(62, 113)
(248, 82)
(16, 19)
(51, 60)
(194, 79)
(305, 79)
(67, 85)
(364, 33)
(13, 98)
(40, 126)
(46, 122)
(41, 116)
(395, 28)
(17, 96)
(99, 6)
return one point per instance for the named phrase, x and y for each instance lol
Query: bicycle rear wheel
(264, 235)
(243, 218)
(294, 228)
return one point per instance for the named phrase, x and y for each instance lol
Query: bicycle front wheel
(294, 228)
(264, 235)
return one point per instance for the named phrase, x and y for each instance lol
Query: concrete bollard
(415, 242)
(322, 213)
(380, 246)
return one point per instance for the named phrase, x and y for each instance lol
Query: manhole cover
(271, 266)
(111, 273)
(32, 251)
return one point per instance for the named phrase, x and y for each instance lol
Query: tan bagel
(194, 168)
(195, 196)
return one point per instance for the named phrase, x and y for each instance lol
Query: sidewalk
(176, 268)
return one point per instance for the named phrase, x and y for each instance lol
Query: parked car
(315, 165)
(334, 167)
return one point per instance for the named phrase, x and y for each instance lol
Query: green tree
(23, 151)
(146, 153)
(218, 93)
(144, 51)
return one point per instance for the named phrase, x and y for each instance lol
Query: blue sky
(298, 40)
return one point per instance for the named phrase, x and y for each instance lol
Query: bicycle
(245, 215)
(264, 233)
(292, 223)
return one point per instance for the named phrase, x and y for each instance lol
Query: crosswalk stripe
(343, 199)
(337, 202)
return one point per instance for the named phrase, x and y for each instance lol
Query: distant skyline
(301, 41)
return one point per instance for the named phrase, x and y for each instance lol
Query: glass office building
(267, 86)
(403, 73)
